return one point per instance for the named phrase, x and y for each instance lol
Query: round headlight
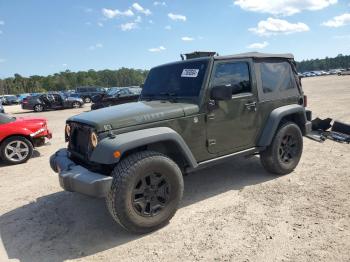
(94, 139)
(67, 130)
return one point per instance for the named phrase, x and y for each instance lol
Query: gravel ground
(231, 212)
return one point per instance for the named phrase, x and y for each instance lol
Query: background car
(10, 100)
(20, 97)
(51, 101)
(18, 137)
(2, 110)
(116, 96)
(344, 72)
(87, 92)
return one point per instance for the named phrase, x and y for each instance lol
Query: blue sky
(44, 37)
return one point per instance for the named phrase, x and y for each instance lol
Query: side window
(276, 76)
(233, 74)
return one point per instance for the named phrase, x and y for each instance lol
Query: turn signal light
(67, 130)
(117, 154)
(94, 139)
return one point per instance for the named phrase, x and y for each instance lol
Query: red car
(18, 137)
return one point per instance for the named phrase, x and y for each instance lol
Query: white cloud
(100, 24)
(283, 7)
(2, 22)
(157, 49)
(151, 22)
(168, 27)
(187, 38)
(258, 45)
(128, 26)
(109, 13)
(64, 65)
(273, 26)
(157, 3)
(341, 37)
(2, 60)
(140, 9)
(138, 19)
(94, 47)
(338, 21)
(177, 17)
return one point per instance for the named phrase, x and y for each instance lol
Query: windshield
(113, 91)
(73, 95)
(11, 97)
(180, 80)
(6, 119)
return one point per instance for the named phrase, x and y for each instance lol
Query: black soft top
(255, 55)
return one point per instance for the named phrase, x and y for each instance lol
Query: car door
(231, 124)
(56, 101)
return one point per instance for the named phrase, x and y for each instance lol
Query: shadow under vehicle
(43, 102)
(116, 96)
(65, 226)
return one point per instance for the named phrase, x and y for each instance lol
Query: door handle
(210, 116)
(251, 106)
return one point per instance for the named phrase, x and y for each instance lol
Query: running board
(220, 159)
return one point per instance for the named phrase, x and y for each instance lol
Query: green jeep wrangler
(191, 114)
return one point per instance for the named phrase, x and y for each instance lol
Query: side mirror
(221, 93)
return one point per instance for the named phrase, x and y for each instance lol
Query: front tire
(16, 150)
(146, 191)
(87, 100)
(76, 105)
(284, 153)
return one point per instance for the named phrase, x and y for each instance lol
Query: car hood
(136, 113)
(30, 123)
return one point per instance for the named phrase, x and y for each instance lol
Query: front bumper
(76, 178)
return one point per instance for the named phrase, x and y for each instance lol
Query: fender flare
(274, 120)
(103, 153)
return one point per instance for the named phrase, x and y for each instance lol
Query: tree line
(341, 61)
(68, 80)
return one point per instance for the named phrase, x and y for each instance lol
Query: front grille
(79, 140)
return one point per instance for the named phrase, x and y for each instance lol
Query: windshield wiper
(172, 96)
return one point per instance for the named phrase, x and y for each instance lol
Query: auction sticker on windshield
(190, 73)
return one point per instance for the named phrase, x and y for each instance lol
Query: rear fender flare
(274, 120)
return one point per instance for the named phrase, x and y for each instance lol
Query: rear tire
(146, 191)
(284, 153)
(38, 108)
(16, 150)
